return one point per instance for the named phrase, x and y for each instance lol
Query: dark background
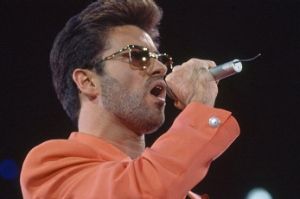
(264, 98)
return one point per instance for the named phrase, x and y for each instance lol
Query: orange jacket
(88, 167)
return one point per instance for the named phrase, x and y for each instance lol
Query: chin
(154, 126)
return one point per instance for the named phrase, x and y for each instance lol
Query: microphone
(222, 71)
(229, 68)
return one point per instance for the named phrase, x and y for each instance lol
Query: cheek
(132, 80)
(126, 76)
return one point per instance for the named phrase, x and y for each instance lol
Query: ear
(86, 82)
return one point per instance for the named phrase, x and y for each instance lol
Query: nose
(157, 68)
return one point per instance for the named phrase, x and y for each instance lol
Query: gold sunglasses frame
(153, 55)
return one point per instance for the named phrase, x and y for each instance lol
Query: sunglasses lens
(166, 60)
(140, 58)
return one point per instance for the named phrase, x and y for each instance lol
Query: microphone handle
(227, 69)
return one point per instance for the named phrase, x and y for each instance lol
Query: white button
(214, 122)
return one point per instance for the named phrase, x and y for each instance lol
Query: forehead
(120, 36)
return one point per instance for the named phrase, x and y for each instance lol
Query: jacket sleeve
(174, 164)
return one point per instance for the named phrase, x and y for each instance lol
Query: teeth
(162, 99)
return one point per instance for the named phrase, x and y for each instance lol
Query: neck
(133, 146)
(106, 126)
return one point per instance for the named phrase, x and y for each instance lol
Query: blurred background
(265, 97)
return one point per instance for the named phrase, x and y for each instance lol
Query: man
(109, 78)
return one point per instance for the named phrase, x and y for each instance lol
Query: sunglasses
(140, 57)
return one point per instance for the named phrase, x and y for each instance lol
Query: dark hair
(84, 38)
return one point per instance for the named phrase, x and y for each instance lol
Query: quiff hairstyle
(84, 37)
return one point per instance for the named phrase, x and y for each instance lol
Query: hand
(192, 82)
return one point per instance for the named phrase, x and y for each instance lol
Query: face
(135, 97)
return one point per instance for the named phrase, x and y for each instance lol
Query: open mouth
(159, 89)
(156, 91)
